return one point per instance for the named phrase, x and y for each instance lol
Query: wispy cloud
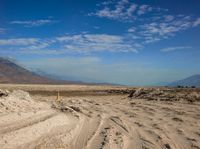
(96, 27)
(72, 43)
(146, 29)
(132, 8)
(123, 10)
(144, 9)
(168, 18)
(2, 30)
(162, 29)
(86, 43)
(79, 43)
(197, 22)
(18, 42)
(26, 46)
(171, 49)
(132, 30)
(34, 23)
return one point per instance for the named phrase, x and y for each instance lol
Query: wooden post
(58, 96)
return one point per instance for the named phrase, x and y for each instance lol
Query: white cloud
(37, 46)
(163, 29)
(79, 43)
(146, 29)
(170, 49)
(132, 30)
(18, 41)
(122, 11)
(144, 9)
(34, 23)
(26, 46)
(96, 43)
(103, 38)
(131, 9)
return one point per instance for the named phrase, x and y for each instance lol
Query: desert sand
(98, 117)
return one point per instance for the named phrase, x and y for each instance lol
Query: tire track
(27, 122)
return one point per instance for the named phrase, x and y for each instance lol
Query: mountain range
(189, 81)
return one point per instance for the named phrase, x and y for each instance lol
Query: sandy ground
(95, 121)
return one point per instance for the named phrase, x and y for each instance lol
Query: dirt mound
(164, 95)
(4, 93)
(17, 101)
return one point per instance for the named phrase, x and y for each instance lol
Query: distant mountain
(190, 81)
(10, 72)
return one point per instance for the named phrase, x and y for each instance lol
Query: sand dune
(100, 121)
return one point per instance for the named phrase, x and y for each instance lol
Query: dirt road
(97, 122)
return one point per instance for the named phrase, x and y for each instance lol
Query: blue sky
(132, 42)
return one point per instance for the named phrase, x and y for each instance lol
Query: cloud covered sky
(132, 42)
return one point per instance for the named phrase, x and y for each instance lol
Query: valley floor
(111, 121)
